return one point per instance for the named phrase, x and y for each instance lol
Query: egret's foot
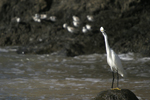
(115, 88)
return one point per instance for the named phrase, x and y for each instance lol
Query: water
(53, 77)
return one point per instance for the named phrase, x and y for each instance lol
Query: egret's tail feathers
(124, 74)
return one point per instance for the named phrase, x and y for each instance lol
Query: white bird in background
(88, 27)
(65, 25)
(43, 16)
(75, 18)
(52, 18)
(18, 19)
(15, 19)
(113, 61)
(90, 18)
(71, 29)
(76, 24)
(84, 30)
(36, 18)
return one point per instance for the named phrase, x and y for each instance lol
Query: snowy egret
(113, 61)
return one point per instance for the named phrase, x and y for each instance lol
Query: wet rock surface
(126, 23)
(123, 94)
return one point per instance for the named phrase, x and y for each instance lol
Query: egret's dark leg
(112, 79)
(117, 79)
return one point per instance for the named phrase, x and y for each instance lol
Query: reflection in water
(67, 78)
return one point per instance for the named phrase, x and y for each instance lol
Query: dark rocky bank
(123, 94)
(127, 24)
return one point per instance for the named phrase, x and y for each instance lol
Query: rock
(123, 94)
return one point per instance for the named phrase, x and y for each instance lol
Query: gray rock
(123, 94)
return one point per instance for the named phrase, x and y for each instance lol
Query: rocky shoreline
(126, 23)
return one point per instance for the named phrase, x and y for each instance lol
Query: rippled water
(53, 77)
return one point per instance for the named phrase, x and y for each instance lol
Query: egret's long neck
(106, 43)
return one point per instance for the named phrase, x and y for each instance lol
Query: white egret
(113, 61)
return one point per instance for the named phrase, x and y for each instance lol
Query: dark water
(52, 77)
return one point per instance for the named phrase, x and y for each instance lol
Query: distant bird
(40, 40)
(88, 27)
(90, 18)
(75, 18)
(18, 19)
(65, 25)
(43, 16)
(113, 61)
(84, 30)
(36, 18)
(52, 18)
(15, 19)
(76, 24)
(71, 29)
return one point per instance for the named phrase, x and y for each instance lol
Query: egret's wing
(117, 63)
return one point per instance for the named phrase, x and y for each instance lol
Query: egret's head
(102, 30)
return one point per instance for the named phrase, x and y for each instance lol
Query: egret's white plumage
(112, 58)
